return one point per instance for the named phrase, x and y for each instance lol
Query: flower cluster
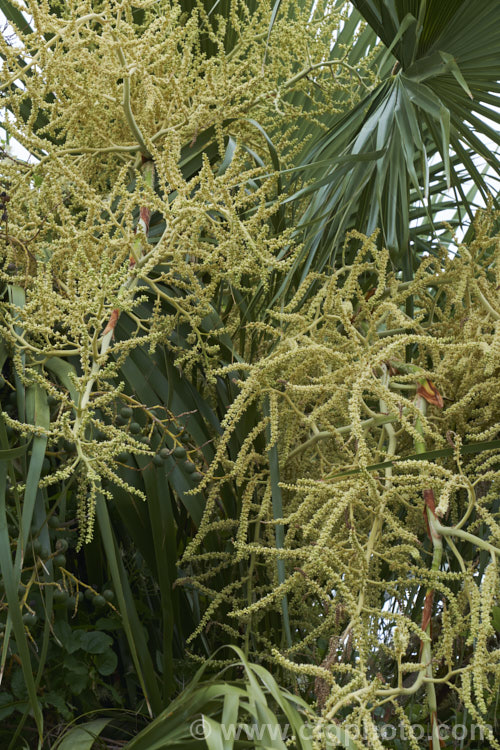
(384, 423)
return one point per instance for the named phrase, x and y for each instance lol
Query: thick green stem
(127, 108)
(381, 419)
(472, 538)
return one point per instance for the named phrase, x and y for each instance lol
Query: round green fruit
(108, 594)
(89, 594)
(164, 453)
(60, 561)
(99, 601)
(29, 619)
(135, 428)
(157, 460)
(126, 412)
(60, 596)
(37, 546)
(196, 476)
(53, 522)
(189, 467)
(180, 452)
(61, 545)
(122, 457)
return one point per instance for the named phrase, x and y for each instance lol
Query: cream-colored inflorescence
(149, 197)
(136, 113)
(347, 414)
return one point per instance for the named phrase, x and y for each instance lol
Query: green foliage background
(250, 381)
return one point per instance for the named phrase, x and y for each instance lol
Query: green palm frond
(425, 124)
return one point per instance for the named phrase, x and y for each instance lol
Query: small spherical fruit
(60, 561)
(180, 452)
(122, 457)
(120, 421)
(108, 594)
(164, 453)
(71, 602)
(189, 467)
(99, 601)
(126, 412)
(53, 522)
(61, 545)
(157, 460)
(60, 596)
(135, 428)
(145, 440)
(37, 546)
(89, 594)
(29, 619)
(196, 476)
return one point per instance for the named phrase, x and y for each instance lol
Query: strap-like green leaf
(131, 622)
(82, 736)
(9, 453)
(11, 581)
(468, 448)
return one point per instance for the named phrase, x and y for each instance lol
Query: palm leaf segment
(395, 157)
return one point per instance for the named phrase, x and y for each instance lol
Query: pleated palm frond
(416, 143)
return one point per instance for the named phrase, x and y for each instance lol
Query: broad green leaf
(82, 736)
(91, 641)
(106, 663)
